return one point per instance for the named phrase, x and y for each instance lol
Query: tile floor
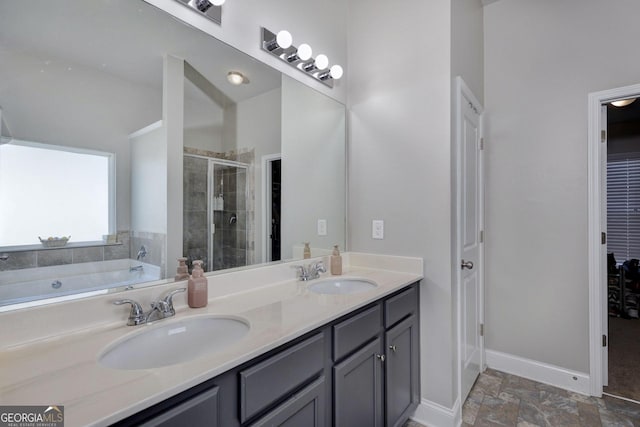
(499, 399)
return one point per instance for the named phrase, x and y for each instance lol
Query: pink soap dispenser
(197, 293)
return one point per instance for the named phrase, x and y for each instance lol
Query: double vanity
(267, 350)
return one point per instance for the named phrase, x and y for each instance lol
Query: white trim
(538, 371)
(433, 414)
(266, 196)
(146, 129)
(597, 251)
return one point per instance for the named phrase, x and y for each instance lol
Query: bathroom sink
(163, 344)
(342, 286)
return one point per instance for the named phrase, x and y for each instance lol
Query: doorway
(623, 247)
(271, 196)
(606, 286)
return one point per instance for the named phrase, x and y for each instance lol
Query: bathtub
(36, 286)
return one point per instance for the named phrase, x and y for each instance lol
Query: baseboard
(432, 414)
(539, 371)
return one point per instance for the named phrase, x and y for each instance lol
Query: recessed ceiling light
(623, 102)
(236, 78)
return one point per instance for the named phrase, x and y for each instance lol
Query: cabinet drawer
(400, 306)
(199, 410)
(266, 382)
(306, 408)
(356, 331)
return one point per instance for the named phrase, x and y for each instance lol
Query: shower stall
(215, 212)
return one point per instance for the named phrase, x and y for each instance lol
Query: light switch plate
(377, 229)
(322, 227)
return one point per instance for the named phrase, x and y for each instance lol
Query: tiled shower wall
(195, 227)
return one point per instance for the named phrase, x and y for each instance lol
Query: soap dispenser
(336, 261)
(306, 253)
(197, 295)
(182, 272)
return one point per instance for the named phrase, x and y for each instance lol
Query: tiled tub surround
(127, 246)
(36, 286)
(49, 355)
(69, 254)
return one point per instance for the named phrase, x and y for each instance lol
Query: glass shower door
(228, 215)
(215, 227)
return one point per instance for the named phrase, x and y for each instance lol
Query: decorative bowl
(54, 242)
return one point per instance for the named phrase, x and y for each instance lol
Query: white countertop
(64, 370)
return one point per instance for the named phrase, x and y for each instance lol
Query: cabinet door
(358, 393)
(201, 410)
(304, 409)
(402, 371)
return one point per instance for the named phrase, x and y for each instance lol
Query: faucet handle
(136, 315)
(167, 302)
(318, 267)
(303, 272)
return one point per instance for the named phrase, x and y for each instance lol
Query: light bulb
(623, 102)
(336, 72)
(235, 78)
(284, 39)
(217, 2)
(304, 52)
(322, 62)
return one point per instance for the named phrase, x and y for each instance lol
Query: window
(623, 205)
(48, 190)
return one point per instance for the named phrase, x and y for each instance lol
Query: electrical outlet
(322, 227)
(377, 229)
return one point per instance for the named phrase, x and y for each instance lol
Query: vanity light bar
(211, 9)
(281, 46)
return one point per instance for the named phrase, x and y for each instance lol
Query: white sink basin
(163, 344)
(342, 286)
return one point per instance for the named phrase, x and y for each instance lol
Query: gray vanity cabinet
(359, 370)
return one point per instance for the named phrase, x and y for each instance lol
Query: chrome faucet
(160, 309)
(311, 271)
(141, 253)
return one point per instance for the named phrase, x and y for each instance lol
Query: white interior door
(470, 201)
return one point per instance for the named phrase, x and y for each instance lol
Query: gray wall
(537, 78)
(259, 122)
(399, 157)
(313, 165)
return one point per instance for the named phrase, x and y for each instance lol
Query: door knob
(381, 357)
(392, 348)
(466, 264)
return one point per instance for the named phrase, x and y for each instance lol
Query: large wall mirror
(125, 147)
